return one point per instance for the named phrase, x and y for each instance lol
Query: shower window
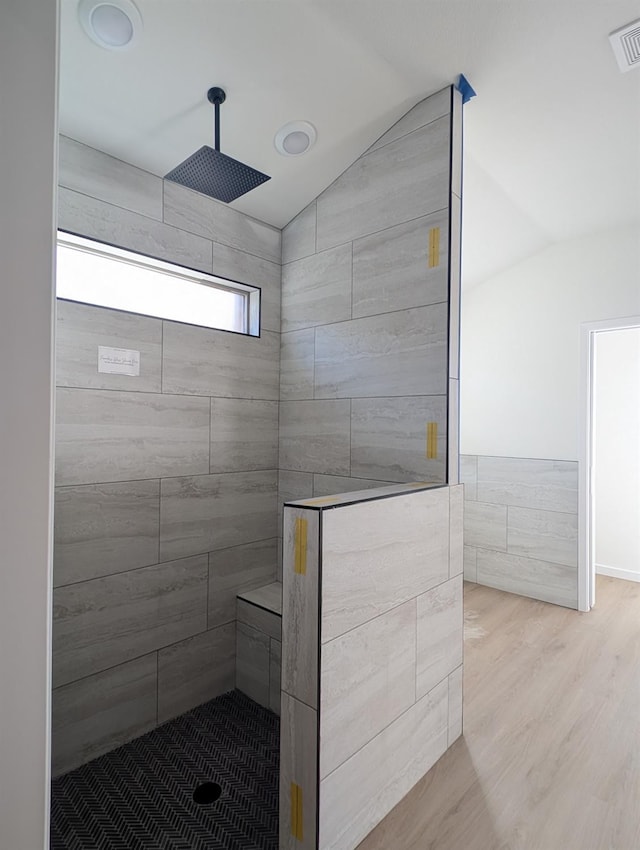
(94, 273)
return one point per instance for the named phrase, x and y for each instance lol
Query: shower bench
(258, 644)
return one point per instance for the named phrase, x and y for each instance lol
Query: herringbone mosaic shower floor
(140, 796)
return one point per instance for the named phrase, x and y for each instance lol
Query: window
(93, 273)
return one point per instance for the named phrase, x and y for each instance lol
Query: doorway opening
(591, 442)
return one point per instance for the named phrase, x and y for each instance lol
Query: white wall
(520, 343)
(28, 93)
(617, 453)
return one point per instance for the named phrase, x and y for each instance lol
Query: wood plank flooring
(550, 756)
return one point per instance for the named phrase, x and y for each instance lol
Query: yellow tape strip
(294, 809)
(432, 440)
(297, 829)
(434, 247)
(300, 546)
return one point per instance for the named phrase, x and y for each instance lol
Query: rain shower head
(213, 173)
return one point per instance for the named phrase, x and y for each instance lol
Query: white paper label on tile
(118, 361)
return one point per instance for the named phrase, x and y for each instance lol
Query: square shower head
(213, 173)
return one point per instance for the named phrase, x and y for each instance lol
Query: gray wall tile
(401, 354)
(299, 236)
(363, 546)
(233, 264)
(455, 706)
(104, 436)
(405, 179)
(314, 436)
(196, 670)
(550, 485)
(97, 220)
(389, 438)
(234, 570)
(252, 663)
(391, 268)
(294, 485)
(208, 512)
(106, 621)
(203, 361)
(331, 485)
(546, 535)
(456, 143)
(317, 290)
(356, 796)
(299, 765)
(367, 680)
(267, 622)
(470, 564)
(456, 530)
(217, 221)
(297, 364)
(485, 525)
(101, 529)
(244, 434)
(469, 475)
(439, 634)
(549, 582)
(275, 673)
(300, 608)
(424, 112)
(82, 328)
(99, 713)
(91, 172)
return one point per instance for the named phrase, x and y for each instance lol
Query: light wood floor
(550, 757)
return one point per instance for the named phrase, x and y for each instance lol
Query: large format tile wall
(370, 304)
(371, 656)
(166, 483)
(521, 526)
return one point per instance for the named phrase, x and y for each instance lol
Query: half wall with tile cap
(371, 655)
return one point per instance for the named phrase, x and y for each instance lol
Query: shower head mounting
(213, 173)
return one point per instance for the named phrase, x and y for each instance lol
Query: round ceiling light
(114, 24)
(295, 138)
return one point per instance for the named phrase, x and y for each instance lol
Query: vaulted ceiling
(552, 141)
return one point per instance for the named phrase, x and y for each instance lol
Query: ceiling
(552, 141)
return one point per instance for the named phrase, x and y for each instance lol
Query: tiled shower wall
(370, 318)
(521, 526)
(165, 483)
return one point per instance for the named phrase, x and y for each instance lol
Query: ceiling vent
(626, 46)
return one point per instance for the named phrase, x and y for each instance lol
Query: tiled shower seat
(258, 644)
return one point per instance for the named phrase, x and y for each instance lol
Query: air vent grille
(626, 46)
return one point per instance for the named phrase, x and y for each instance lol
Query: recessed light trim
(295, 138)
(112, 24)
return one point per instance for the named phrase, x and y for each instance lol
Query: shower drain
(207, 793)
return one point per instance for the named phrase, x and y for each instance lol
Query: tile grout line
(389, 725)
(363, 318)
(389, 610)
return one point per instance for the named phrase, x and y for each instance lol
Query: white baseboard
(614, 572)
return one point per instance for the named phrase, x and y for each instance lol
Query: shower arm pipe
(216, 96)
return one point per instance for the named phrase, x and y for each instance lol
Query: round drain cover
(206, 793)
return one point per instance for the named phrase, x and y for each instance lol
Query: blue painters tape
(465, 88)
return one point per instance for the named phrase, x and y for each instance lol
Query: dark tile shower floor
(140, 796)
